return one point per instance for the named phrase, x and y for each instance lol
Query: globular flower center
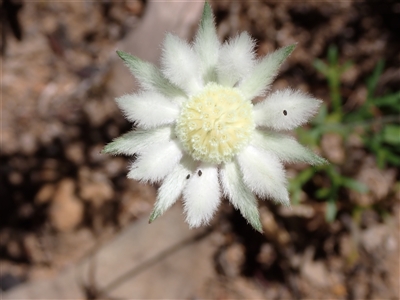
(215, 124)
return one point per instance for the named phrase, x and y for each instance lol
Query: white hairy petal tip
(285, 110)
(180, 64)
(148, 109)
(264, 73)
(263, 174)
(202, 195)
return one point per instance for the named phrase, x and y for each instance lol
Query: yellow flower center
(215, 124)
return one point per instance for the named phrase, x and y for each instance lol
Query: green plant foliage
(377, 121)
(381, 122)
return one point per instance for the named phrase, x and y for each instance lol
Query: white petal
(263, 174)
(137, 141)
(181, 65)
(285, 147)
(202, 195)
(149, 77)
(148, 110)
(264, 73)
(172, 186)
(156, 163)
(236, 59)
(207, 45)
(285, 110)
(239, 194)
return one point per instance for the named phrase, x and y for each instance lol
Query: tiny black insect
(188, 176)
(199, 173)
(285, 112)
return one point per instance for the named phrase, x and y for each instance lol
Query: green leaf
(354, 185)
(315, 134)
(321, 67)
(295, 195)
(391, 100)
(334, 176)
(333, 55)
(305, 175)
(323, 193)
(393, 159)
(372, 81)
(381, 157)
(330, 210)
(391, 134)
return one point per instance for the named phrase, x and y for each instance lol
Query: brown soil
(60, 196)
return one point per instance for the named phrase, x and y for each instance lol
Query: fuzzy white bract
(199, 133)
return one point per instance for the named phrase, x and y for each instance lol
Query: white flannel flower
(198, 132)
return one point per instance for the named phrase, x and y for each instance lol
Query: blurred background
(73, 226)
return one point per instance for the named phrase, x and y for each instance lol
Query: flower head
(199, 133)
